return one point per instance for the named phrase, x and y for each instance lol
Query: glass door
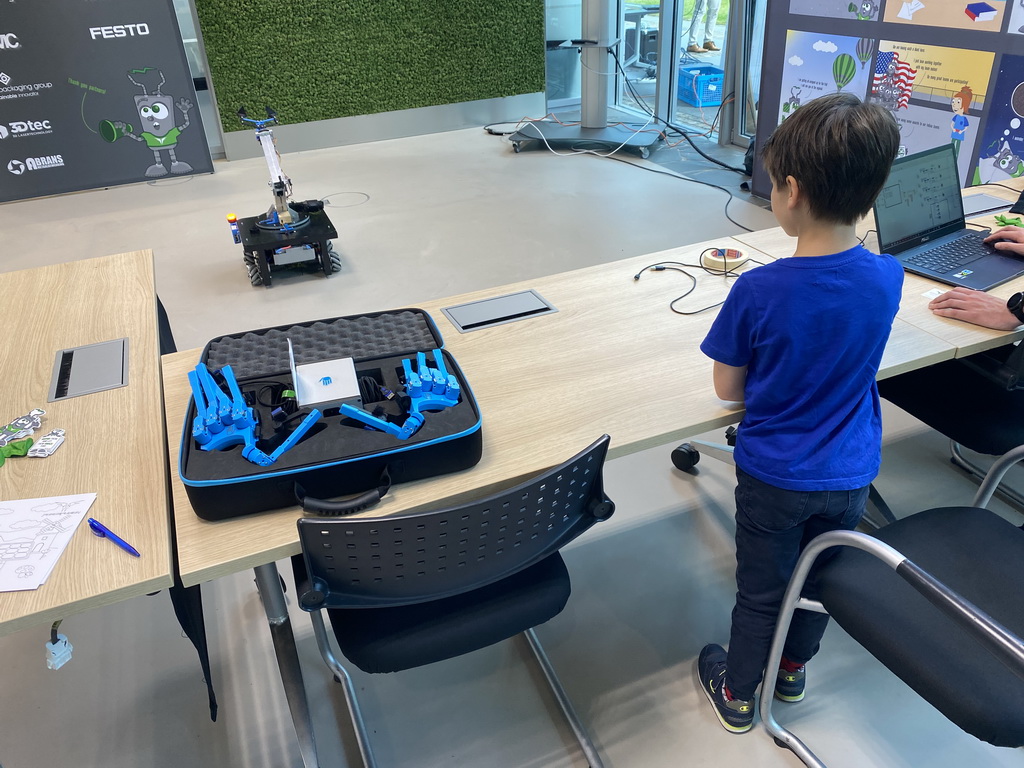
(696, 63)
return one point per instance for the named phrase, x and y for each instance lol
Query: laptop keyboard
(951, 256)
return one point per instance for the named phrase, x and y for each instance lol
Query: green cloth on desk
(16, 448)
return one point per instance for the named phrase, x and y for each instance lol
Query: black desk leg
(269, 582)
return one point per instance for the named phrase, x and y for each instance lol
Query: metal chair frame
(996, 638)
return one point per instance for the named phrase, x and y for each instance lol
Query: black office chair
(409, 590)
(938, 598)
(977, 402)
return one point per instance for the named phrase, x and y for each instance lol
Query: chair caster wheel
(685, 457)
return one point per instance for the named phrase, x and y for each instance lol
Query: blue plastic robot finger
(439, 363)
(411, 426)
(210, 411)
(422, 370)
(413, 383)
(200, 430)
(254, 455)
(216, 399)
(369, 419)
(430, 378)
(241, 415)
(438, 384)
(298, 434)
(452, 390)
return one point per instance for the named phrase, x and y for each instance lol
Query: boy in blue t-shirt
(799, 341)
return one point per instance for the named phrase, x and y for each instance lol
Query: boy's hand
(1008, 239)
(976, 307)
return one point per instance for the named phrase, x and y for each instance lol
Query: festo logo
(9, 41)
(120, 30)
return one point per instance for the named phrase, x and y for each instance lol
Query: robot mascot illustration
(157, 129)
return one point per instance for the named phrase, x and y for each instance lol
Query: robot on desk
(290, 233)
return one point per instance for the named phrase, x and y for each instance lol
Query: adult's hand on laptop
(977, 307)
(1008, 239)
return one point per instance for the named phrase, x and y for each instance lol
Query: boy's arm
(729, 381)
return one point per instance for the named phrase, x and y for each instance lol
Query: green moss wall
(321, 59)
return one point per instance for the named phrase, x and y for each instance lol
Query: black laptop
(919, 215)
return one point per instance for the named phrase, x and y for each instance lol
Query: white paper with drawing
(33, 534)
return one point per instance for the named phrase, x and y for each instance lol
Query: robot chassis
(290, 232)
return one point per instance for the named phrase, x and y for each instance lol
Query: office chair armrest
(1007, 373)
(993, 636)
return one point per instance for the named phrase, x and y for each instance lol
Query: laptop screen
(920, 200)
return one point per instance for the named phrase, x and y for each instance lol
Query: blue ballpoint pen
(105, 533)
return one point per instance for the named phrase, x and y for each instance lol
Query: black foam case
(339, 456)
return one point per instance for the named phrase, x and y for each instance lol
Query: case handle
(348, 506)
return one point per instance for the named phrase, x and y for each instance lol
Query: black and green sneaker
(789, 686)
(736, 715)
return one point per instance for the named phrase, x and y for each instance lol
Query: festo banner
(94, 93)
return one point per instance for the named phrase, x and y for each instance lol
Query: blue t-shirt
(811, 331)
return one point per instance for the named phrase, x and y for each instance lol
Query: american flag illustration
(902, 79)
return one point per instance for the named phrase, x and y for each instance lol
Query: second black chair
(410, 590)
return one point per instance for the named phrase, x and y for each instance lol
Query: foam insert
(378, 343)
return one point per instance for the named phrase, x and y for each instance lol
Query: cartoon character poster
(1001, 147)
(936, 94)
(820, 64)
(856, 10)
(980, 15)
(1016, 19)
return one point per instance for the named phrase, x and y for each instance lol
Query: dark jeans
(772, 528)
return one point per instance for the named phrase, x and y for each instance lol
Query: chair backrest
(406, 559)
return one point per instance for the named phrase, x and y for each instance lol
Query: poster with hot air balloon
(865, 51)
(843, 70)
(818, 64)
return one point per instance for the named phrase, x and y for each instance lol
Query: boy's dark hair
(839, 150)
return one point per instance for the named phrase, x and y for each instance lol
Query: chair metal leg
(323, 642)
(582, 737)
(876, 504)
(715, 450)
(791, 601)
(978, 472)
(992, 480)
(269, 582)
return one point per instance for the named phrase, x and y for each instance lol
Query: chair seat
(975, 553)
(397, 638)
(961, 404)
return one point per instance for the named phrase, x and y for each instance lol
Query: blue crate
(701, 85)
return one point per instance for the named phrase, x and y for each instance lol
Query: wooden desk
(614, 359)
(968, 339)
(115, 442)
